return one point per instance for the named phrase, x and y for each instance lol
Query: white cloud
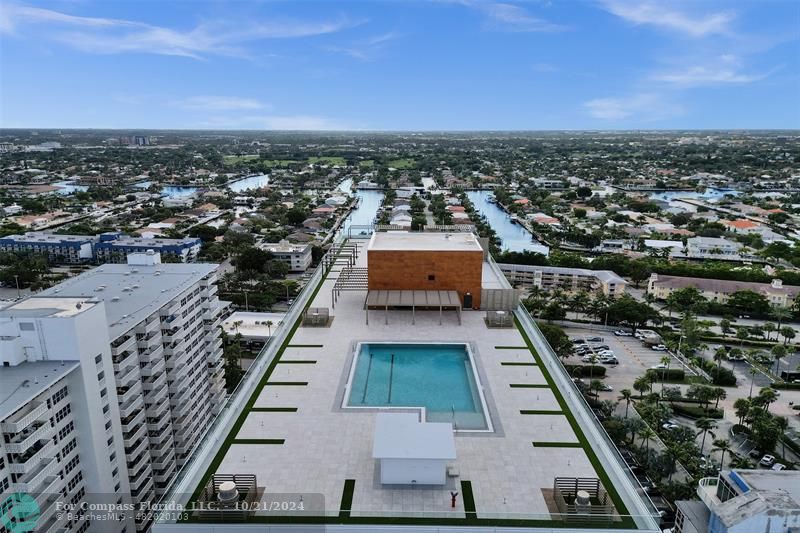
(660, 13)
(220, 103)
(111, 36)
(509, 17)
(725, 70)
(367, 49)
(640, 106)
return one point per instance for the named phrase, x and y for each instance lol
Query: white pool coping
(420, 409)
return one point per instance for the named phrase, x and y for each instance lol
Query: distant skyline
(400, 65)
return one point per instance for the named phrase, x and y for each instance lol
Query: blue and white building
(115, 247)
(58, 248)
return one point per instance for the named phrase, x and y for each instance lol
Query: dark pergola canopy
(413, 299)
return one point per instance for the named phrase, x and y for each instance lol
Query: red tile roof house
(741, 225)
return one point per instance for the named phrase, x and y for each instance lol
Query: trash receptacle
(468, 300)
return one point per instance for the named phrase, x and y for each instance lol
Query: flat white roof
(403, 436)
(420, 241)
(23, 382)
(253, 325)
(49, 306)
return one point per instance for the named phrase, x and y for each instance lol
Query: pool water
(438, 377)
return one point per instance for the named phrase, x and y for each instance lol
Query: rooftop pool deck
(300, 438)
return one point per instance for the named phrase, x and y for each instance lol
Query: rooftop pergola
(377, 299)
(349, 279)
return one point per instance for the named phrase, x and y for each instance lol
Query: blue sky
(400, 65)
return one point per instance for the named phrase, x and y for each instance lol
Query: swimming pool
(440, 378)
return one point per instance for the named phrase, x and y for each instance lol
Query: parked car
(623, 333)
(669, 425)
(659, 366)
(778, 467)
(577, 341)
(754, 454)
(659, 348)
(735, 357)
(599, 346)
(767, 460)
(594, 339)
(605, 353)
(589, 358)
(609, 361)
(606, 388)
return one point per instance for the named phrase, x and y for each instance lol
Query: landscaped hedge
(595, 371)
(693, 411)
(789, 386)
(669, 375)
(721, 376)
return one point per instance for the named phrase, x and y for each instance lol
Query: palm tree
(788, 333)
(722, 445)
(269, 325)
(741, 407)
(768, 328)
(767, 395)
(719, 394)
(753, 371)
(780, 313)
(666, 360)
(579, 301)
(646, 433)
(627, 395)
(641, 385)
(778, 352)
(705, 425)
(783, 423)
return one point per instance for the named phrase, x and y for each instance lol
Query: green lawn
(339, 161)
(233, 159)
(369, 163)
(401, 163)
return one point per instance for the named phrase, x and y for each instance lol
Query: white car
(659, 348)
(589, 358)
(779, 467)
(669, 425)
(623, 333)
(606, 388)
(659, 366)
(767, 460)
(605, 353)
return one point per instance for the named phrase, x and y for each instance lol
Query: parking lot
(633, 356)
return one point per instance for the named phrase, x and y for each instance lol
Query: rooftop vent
(115, 299)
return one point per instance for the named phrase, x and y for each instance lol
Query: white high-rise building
(142, 363)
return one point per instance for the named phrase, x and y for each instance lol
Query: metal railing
(615, 466)
(214, 437)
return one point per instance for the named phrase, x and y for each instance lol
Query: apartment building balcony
(125, 359)
(137, 447)
(136, 463)
(51, 491)
(48, 517)
(130, 440)
(56, 523)
(143, 342)
(150, 386)
(127, 375)
(23, 418)
(123, 344)
(173, 335)
(154, 353)
(215, 347)
(138, 481)
(153, 323)
(160, 439)
(31, 481)
(216, 387)
(165, 475)
(170, 309)
(125, 394)
(707, 491)
(29, 436)
(163, 459)
(212, 325)
(132, 422)
(28, 461)
(129, 407)
(144, 492)
(153, 369)
(155, 409)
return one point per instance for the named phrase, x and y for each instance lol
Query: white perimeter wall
(417, 471)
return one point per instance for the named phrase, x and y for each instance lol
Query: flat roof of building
(144, 241)
(403, 436)
(132, 292)
(25, 381)
(422, 241)
(41, 237)
(253, 325)
(786, 480)
(43, 306)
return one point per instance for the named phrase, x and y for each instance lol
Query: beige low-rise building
(569, 279)
(719, 290)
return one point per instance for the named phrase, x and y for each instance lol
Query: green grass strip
(517, 363)
(510, 347)
(305, 346)
(258, 441)
(625, 521)
(537, 444)
(347, 498)
(529, 385)
(298, 362)
(286, 383)
(469, 500)
(540, 412)
(273, 410)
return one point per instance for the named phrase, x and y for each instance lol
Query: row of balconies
(153, 369)
(123, 344)
(126, 393)
(156, 383)
(132, 421)
(24, 417)
(29, 460)
(125, 359)
(127, 375)
(154, 353)
(29, 436)
(153, 323)
(129, 407)
(51, 491)
(31, 481)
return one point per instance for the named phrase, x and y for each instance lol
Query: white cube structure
(412, 452)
